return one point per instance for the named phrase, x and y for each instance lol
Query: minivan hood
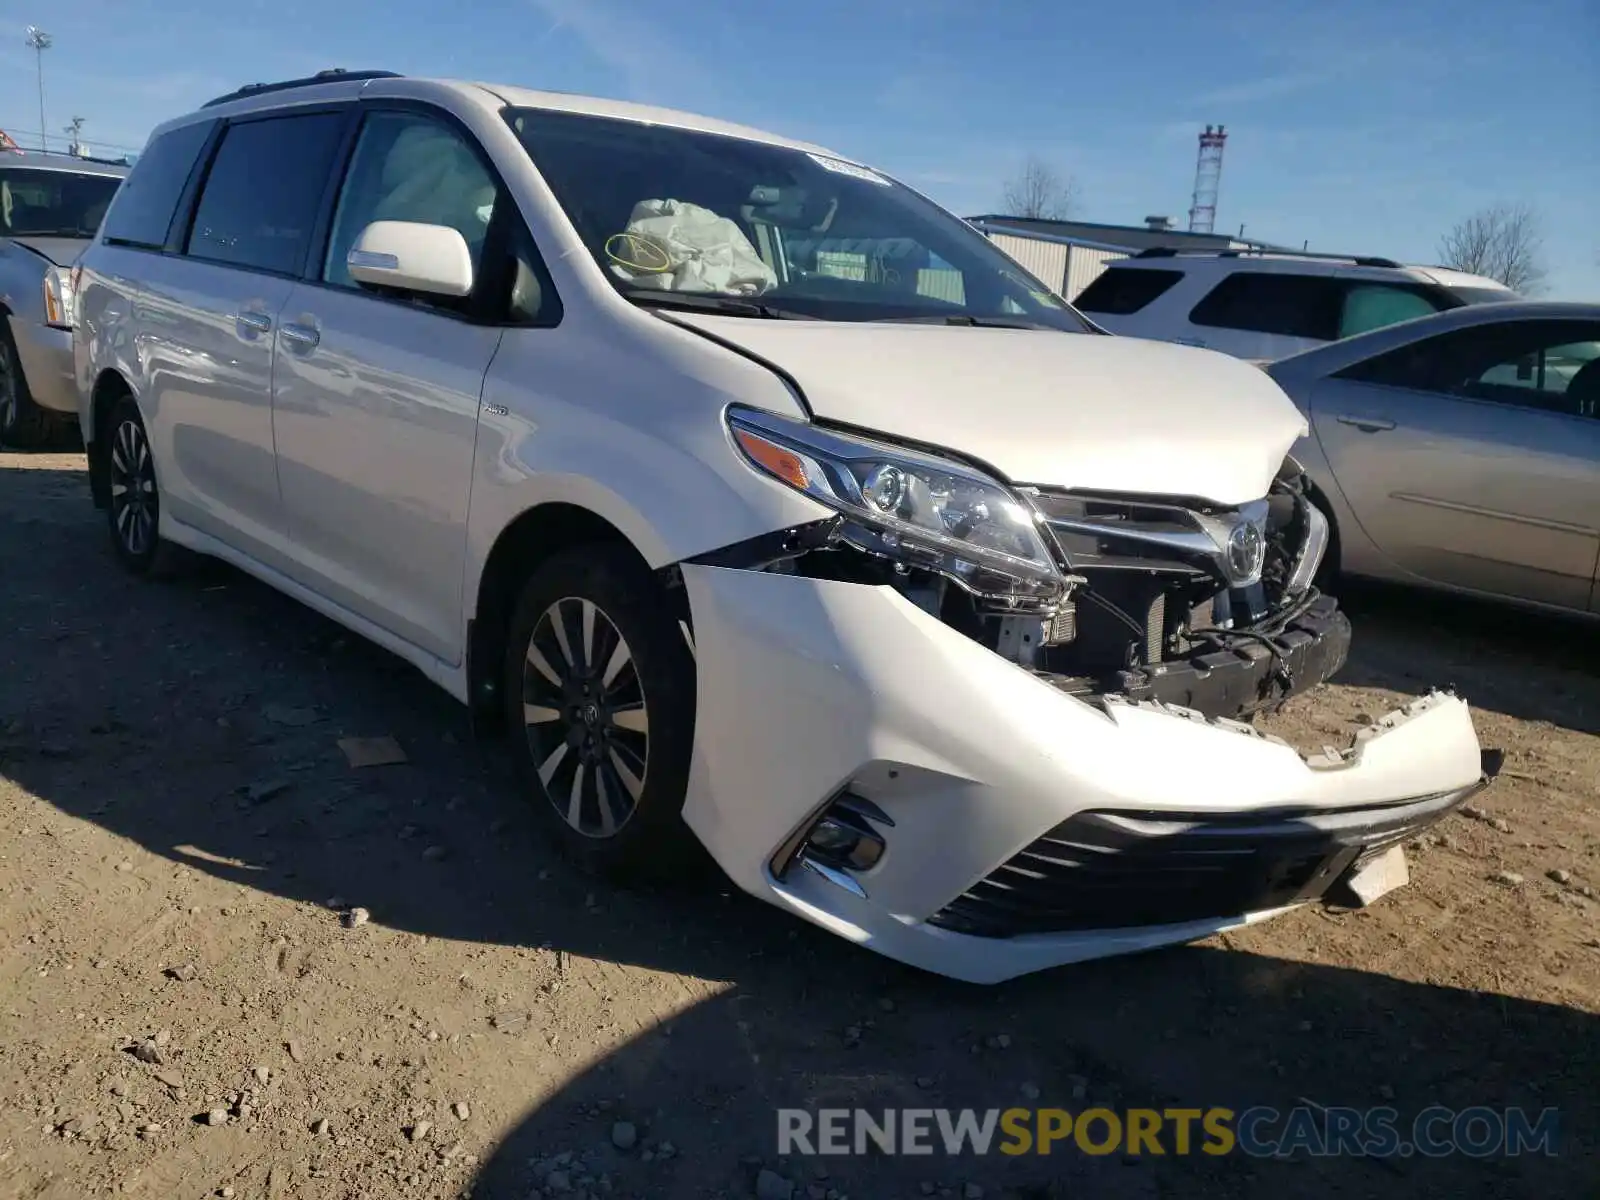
(63, 251)
(1055, 409)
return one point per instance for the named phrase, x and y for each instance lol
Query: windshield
(682, 216)
(53, 203)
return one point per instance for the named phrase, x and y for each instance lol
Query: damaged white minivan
(763, 503)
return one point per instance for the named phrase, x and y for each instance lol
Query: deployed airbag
(677, 246)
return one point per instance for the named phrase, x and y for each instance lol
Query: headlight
(915, 508)
(59, 309)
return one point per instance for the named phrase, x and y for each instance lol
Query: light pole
(40, 41)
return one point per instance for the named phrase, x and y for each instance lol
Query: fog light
(842, 840)
(845, 838)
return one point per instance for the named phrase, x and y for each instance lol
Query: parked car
(50, 206)
(1267, 305)
(1462, 451)
(759, 500)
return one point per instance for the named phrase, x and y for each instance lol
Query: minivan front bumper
(1018, 827)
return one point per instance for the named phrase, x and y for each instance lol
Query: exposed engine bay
(1207, 607)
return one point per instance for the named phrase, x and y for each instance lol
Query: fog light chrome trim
(837, 841)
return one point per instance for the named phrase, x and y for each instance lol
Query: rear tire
(599, 692)
(23, 424)
(134, 513)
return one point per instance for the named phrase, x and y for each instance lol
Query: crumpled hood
(1115, 414)
(62, 251)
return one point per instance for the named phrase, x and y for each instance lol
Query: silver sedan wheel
(134, 512)
(587, 722)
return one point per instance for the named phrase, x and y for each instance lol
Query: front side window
(410, 168)
(261, 196)
(1302, 306)
(712, 216)
(1369, 306)
(1553, 366)
(53, 203)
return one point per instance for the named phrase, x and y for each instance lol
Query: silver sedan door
(1472, 458)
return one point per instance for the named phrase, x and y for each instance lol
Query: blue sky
(1367, 126)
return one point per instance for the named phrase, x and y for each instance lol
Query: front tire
(600, 705)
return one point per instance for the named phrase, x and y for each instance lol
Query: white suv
(760, 501)
(1265, 306)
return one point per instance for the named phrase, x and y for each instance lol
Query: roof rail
(331, 75)
(1360, 260)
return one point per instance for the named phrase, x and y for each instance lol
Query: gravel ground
(234, 965)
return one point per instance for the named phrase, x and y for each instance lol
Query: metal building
(1069, 255)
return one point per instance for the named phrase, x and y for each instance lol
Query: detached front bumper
(810, 690)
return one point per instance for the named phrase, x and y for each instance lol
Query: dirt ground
(180, 836)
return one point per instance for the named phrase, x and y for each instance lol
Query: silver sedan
(1462, 450)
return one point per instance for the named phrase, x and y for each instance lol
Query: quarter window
(1122, 291)
(411, 168)
(261, 197)
(142, 213)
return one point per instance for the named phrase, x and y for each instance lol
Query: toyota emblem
(1247, 553)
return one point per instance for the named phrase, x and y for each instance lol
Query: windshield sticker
(840, 167)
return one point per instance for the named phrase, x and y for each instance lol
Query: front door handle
(252, 324)
(1367, 424)
(303, 338)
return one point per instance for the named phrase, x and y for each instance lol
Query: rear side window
(1124, 290)
(261, 197)
(1305, 306)
(142, 212)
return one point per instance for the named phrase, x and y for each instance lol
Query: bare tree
(1038, 190)
(1503, 242)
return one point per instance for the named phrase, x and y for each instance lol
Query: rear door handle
(1367, 424)
(252, 324)
(303, 338)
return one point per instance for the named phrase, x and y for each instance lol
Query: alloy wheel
(587, 722)
(134, 510)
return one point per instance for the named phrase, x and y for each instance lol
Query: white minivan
(760, 502)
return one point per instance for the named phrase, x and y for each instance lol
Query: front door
(1469, 461)
(375, 397)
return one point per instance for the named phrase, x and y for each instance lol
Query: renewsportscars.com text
(1259, 1132)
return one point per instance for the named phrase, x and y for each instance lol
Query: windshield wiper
(969, 319)
(733, 306)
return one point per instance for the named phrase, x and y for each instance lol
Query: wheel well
(107, 388)
(528, 541)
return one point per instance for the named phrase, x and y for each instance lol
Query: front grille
(1122, 868)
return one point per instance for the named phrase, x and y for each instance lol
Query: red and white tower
(1207, 180)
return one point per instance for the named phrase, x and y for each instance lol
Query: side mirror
(414, 257)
